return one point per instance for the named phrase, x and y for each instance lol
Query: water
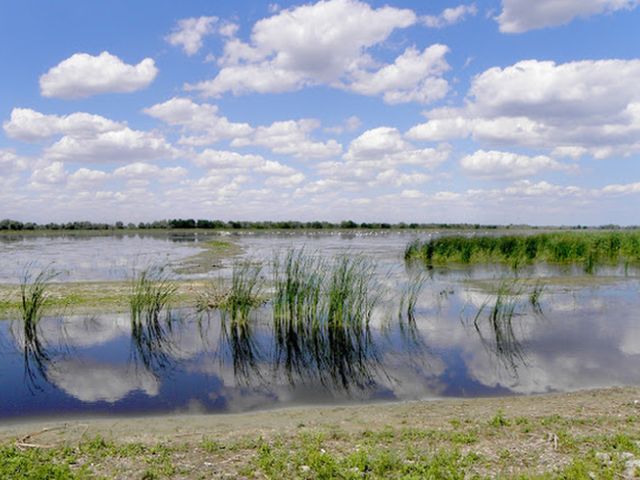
(582, 335)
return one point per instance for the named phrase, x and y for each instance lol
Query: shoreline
(551, 434)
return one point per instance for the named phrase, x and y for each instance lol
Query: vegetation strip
(589, 249)
(581, 435)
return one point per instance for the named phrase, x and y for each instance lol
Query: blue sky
(494, 111)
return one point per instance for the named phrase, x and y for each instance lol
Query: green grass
(475, 446)
(321, 314)
(33, 294)
(239, 297)
(587, 249)
(151, 293)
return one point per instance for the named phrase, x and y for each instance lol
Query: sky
(493, 111)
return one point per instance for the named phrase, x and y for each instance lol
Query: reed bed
(589, 249)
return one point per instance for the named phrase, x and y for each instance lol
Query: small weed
(499, 420)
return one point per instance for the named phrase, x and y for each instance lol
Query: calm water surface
(581, 335)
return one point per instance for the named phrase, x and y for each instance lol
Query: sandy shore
(351, 418)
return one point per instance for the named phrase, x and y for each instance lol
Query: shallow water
(579, 336)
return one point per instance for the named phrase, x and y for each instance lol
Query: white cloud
(149, 173)
(84, 177)
(519, 16)
(291, 137)
(380, 157)
(288, 181)
(450, 16)
(189, 32)
(86, 137)
(52, 174)
(222, 162)
(123, 145)
(399, 179)
(413, 77)
(498, 164)
(83, 75)
(201, 119)
(327, 43)
(28, 125)
(577, 107)
(11, 163)
(384, 147)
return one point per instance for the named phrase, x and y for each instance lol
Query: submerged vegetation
(588, 249)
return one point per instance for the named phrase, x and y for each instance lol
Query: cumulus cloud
(86, 138)
(189, 32)
(414, 77)
(450, 16)
(83, 75)
(577, 108)
(125, 145)
(11, 163)
(381, 157)
(85, 177)
(202, 119)
(222, 163)
(146, 172)
(327, 43)
(51, 174)
(29, 125)
(291, 137)
(498, 164)
(385, 147)
(519, 16)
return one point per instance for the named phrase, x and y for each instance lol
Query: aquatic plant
(33, 294)
(239, 297)
(151, 292)
(33, 301)
(589, 249)
(321, 313)
(298, 280)
(237, 340)
(502, 340)
(410, 294)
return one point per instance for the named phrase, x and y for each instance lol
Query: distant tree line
(190, 223)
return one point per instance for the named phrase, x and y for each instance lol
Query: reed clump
(321, 312)
(240, 296)
(33, 294)
(152, 291)
(589, 249)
